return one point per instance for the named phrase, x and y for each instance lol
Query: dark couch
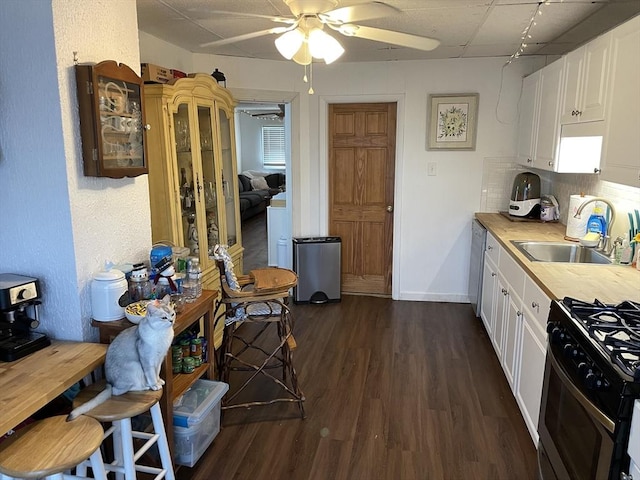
(253, 202)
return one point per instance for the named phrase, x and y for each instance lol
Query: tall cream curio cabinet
(192, 167)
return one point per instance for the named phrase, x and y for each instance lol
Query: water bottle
(192, 285)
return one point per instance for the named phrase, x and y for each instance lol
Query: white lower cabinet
(490, 285)
(515, 312)
(502, 296)
(633, 449)
(513, 332)
(531, 374)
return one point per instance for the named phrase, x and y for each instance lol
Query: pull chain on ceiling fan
(304, 38)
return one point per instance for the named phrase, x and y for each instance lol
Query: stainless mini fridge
(316, 260)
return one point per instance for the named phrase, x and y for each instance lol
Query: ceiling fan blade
(389, 36)
(356, 13)
(246, 36)
(243, 14)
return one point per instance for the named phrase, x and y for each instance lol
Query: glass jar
(185, 345)
(139, 284)
(188, 365)
(196, 347)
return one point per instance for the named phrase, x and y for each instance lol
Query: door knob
(389, 208)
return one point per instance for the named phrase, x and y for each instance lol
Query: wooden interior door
(362, 144)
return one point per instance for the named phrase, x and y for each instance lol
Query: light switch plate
(432, 169)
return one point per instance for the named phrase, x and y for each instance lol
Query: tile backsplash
(497, 180)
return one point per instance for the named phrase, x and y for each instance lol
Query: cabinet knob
(489, 247)
(551, 164)
(519, 313)
(536, 305)
(597, 170)
(493, 274)
(578, 112)
(529, 160)
(625, 476)
(504, 291)
(389, 208)
(147, 127)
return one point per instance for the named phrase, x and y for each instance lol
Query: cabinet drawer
(536, 302)
(511, 271)
(493, 248)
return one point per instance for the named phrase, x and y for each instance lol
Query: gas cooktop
(615, 328)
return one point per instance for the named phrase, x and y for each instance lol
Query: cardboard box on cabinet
(155, 73)
(178, 74)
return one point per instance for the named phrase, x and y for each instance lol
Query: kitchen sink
(561, 252)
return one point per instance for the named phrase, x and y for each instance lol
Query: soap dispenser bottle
(597, 222)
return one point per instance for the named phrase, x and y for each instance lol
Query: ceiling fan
(279, 115)
(303, 36)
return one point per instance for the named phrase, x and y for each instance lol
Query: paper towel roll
(577, 227)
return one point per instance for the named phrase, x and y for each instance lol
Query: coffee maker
(19, 302)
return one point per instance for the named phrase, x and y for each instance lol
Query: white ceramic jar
(106, 289)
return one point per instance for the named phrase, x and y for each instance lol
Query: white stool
(47, 448)
(119, 410)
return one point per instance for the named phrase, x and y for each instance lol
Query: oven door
(576, 439)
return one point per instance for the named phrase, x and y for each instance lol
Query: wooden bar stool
(259, 298)
(118, 411)
(49, 447)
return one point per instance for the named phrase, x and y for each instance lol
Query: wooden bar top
(28, 384)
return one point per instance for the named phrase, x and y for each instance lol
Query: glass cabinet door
(209, 198)
(120, 123)
(186, 178)
(228, 185)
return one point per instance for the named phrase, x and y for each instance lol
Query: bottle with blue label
(597, 222)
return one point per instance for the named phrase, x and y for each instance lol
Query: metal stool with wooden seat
(259, 298)
(119, 410)
(47, 448)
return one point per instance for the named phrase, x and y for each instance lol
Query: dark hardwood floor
(254, 241)
(394, 390)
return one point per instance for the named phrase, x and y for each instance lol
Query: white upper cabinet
(547, 118)
(621, 149)
(585, 82)
(527, 119)
(538, 122)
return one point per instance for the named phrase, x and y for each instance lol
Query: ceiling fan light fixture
(324, 46)
(289, 43)
(303, 55)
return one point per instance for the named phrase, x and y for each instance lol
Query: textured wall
(57, 224)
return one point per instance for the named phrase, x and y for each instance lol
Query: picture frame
(452, 121)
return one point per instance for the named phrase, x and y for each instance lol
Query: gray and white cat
(134, 357)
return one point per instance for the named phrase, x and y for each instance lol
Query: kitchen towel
(577, 227)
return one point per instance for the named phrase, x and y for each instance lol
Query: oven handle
(579, 396)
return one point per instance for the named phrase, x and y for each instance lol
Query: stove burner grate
(616, 328)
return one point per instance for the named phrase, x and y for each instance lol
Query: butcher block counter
(29, 383)
(607, 283)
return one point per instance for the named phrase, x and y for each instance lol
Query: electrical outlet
(432, 169)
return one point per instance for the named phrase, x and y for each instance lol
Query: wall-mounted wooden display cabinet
(111, 120)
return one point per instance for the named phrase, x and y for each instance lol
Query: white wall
(57, 224)
(433, 213)
(250, 142)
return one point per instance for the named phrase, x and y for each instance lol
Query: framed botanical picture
(452, 121)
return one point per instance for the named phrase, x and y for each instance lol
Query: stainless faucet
(606, 246)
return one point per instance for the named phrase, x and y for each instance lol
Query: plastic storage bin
(196, 420)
